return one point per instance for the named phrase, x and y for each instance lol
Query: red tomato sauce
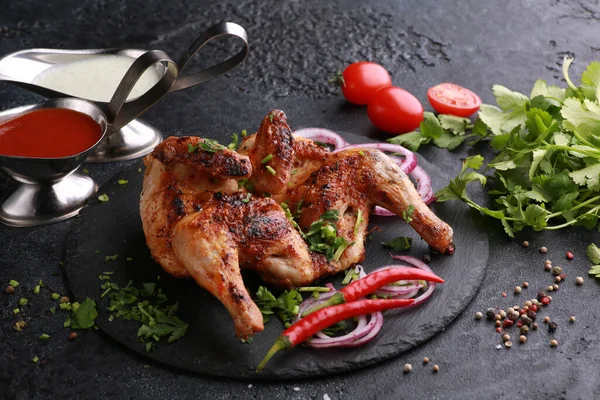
(49, 133)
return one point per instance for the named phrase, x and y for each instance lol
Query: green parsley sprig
(547, 167)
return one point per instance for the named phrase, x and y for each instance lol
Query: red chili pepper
(370, 283)
(324, 318)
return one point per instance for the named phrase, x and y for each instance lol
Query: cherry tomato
(361, 81)
(448, 98)
(395, 110)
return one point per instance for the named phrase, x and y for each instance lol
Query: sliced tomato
(448, 98)
(394, 110)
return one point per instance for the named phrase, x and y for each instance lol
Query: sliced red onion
(423, 184)
(419, 264)
(405, 290)
(357, 337)
(323, 135)
(407, 164)
(382, 212)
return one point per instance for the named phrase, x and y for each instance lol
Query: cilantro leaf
(84, 315)
(286, 306)
(457, 125)
(448, 141)
(430, 126)
(588, 176)
(400, 243)
(411, 140)
(500, 121)
(595, 271)
(593, 253)
(590, 81)
(541, 88)
(508, 100)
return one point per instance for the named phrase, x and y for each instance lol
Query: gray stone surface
(295, 46)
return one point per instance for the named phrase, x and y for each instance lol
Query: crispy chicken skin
(200, 222)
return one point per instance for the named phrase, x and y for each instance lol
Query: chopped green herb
(408, 213)
(122, 181)
(44, 336)
(400, 243)
(55, 296)
(333, 329)
(248, 341)
(36, 289)
(16, 311)
(61, 264)
(82, 316)
(244, 133)
(40, 283)
(111, 258)
(267, 159)
(129, 259)
(97, 251)
(103, 198)
(271, 116)
(85, 171)
(23, 301)
(247, 198)
(111, 318)
(271, 170)
(322, 236)
(286, 306)
(352, 274)
(13, 283)
(53, 310)
(294, 171)
(35, 359)
(234, 142)
(362, 153)
(208, 145)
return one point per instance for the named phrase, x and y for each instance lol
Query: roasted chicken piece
(200, 221)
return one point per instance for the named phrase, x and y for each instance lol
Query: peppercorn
(546, 300)
(20, 325)
(497, 317)
(518, 289)
(525, 285)
(526, 308)
(498, 323)
(510, 310)
(557, 279)
(546, 319)
(572, 319)
(526, 320)
(502, 314)
(435, 368)
(524, 330)
(407, 368)
(541, 295)
(563, 276)
(72, 335)
(499, 330)
(426, 360)
(522, 339)
(64, 299)
(519, 324)
(9, 289)
(504, 294)
(490, 314)
(543, 249)
(513, 316)
(478, 315)
(556, 287)
(548, 262)
(506, 337)
(507, 323)
(556, 270)
(547, 267)
(570, 255)
(426, 258)
(522, 311)
(554, 343)
(579, 280)
(525, 243)
(552, 327)
(528, 303)
(534, 326)
(508, 344)
(549, 288)
(532, 315)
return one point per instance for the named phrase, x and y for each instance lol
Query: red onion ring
(423, 184)
(355, 338)
(419, 264)
(383, 212)
(407, 164)
(323, 135)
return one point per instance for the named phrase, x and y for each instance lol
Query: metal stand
(134, 140)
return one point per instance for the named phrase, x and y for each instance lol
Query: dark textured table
(295, 46)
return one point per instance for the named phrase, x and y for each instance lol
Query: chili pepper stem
(282, 343)
(337, 298)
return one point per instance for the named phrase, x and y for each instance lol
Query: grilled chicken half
(201, 222)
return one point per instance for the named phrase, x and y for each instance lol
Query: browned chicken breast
(201, 222)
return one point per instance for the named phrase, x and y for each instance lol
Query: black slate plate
(209, 345)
